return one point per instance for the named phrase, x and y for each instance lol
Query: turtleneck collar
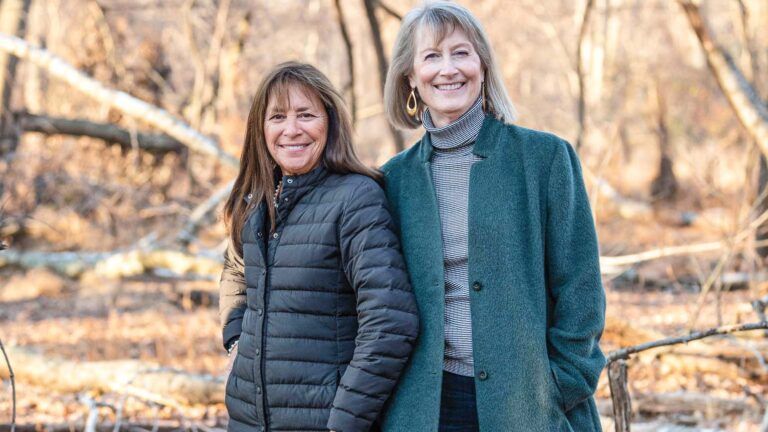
(458, 133)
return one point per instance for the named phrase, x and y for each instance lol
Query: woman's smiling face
(448, 74)
(295, 130)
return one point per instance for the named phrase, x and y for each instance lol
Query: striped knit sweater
(451, 161)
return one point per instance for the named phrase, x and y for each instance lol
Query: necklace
(277, 192)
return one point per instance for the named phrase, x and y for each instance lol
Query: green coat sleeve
(573, 280)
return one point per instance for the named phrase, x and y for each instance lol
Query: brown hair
(257, 167)
(442, 18)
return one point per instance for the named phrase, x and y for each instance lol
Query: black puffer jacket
(328, 320)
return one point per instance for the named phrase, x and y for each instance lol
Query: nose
(448, 68)
(291, 126)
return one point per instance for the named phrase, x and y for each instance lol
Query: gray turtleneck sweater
(451, 161)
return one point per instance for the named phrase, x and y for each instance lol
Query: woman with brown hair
(316, 308)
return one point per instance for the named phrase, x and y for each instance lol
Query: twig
(386, 8)
(624, 353)
(201, 213)
(13, 388)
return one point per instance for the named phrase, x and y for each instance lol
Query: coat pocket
(555, 389)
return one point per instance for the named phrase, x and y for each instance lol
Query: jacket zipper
(264, 351)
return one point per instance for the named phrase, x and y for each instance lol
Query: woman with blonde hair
(315, 304)
(499, 241)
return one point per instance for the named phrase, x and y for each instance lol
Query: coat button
(258, 351)
(483, 375)
(260, 311)
(258, 234)
(258, 389)
(477, 286)
(289, 180)
(275, 235)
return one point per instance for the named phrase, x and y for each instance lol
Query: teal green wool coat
(537, 300)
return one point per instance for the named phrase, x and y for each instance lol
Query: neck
(461, 131)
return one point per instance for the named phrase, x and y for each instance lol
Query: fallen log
(681, 403)
(685, 402)
(116, 264)
(142, 380)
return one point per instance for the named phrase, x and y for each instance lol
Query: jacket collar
(296, 186)
(485, 143)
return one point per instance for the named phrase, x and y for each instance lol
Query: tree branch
(746, 103)
(152, 115)
(155, 143)
(391, 12)
(624, 353)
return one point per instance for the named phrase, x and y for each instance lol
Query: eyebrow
(453, 47)
(280, 109)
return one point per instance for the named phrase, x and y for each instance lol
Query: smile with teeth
(294, 146)
(454, 86)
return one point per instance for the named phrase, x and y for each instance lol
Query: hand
(231, 361)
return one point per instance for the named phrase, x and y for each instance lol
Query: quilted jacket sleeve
(573, 277)
(232, 296)
(386, 310)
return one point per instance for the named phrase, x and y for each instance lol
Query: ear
(411, 80)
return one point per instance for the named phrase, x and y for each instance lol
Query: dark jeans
(458, 407)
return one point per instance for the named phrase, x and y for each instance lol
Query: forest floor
(143, 319)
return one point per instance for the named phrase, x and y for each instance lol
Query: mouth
(449, 87)
(294, 146)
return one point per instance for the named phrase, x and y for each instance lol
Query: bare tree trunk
(370, 11)
(761, 234)
(664, 186)
(762, 178)
(622, 403)
(744, 100)
(350, 87)
(582, 104)
(13, 20)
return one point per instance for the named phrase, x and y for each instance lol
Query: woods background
(121, 122)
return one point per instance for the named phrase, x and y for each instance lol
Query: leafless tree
(13, 20)
(381, 59)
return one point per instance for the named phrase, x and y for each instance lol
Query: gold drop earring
(412, 105)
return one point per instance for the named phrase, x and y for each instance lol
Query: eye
(461, 53)
(431, 56)
(277, 117)
(306, 116)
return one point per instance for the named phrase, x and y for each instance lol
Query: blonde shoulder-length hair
(442, 18)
